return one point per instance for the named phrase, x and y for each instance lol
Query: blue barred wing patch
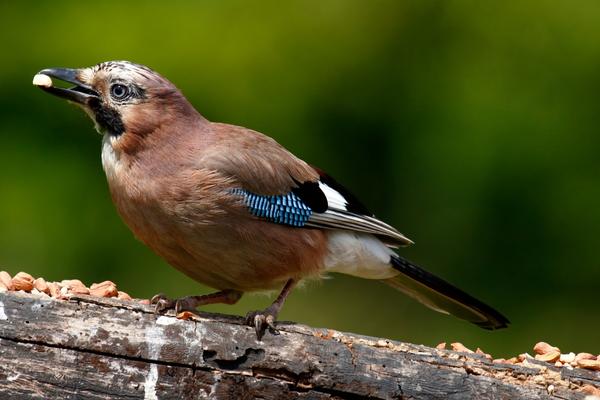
(287, 209)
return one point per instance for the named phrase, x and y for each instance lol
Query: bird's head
(127, 101)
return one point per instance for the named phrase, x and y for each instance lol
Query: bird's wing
(257, 162)
(279, 187)
(316, 204)
(344, 211)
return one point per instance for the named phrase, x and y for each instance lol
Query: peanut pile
(23, 281)
(546, 353)
(543, 352)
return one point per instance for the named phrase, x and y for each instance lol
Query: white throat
(111, 159)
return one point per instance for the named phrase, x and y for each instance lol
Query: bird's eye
(119, 91)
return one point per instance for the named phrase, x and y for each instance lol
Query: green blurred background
(471, 126)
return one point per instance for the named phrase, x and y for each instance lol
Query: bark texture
(96, 348)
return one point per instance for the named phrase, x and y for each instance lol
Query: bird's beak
(81, 93)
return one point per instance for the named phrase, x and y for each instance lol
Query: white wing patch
(337, 216)
(334, 198)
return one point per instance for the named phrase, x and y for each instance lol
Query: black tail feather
(441, 296)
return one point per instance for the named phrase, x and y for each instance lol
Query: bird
(232, 208)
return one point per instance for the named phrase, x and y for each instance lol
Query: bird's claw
(261, 321)
(163, 304)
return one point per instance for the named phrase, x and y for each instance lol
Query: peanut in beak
(42, 80)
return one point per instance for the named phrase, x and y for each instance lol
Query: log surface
(95, 348)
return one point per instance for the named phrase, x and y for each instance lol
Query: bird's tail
(441, 296)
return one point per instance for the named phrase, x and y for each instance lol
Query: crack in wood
(250, 356)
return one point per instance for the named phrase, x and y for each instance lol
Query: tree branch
(98, 348)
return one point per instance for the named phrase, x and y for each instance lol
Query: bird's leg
(190, 303)
(261, 320)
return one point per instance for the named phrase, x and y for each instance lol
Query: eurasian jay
(230, 207)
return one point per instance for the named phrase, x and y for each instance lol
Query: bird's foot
(190, 303)
(163, 304)
(261, 321)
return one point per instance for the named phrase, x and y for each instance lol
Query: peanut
(75, 286)
(41, 285)
(186, 315)
(42, 80)
(551, 356)
(123, 296)
(6, 280)
(104, 289)
(584, 356)
(460, 347)
(23, 281)
(589, 389)
(543, 348)
(54, 290)
(589, 364)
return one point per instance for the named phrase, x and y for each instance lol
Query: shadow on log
(95, 348)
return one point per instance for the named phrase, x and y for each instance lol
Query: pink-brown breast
(185, 212)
